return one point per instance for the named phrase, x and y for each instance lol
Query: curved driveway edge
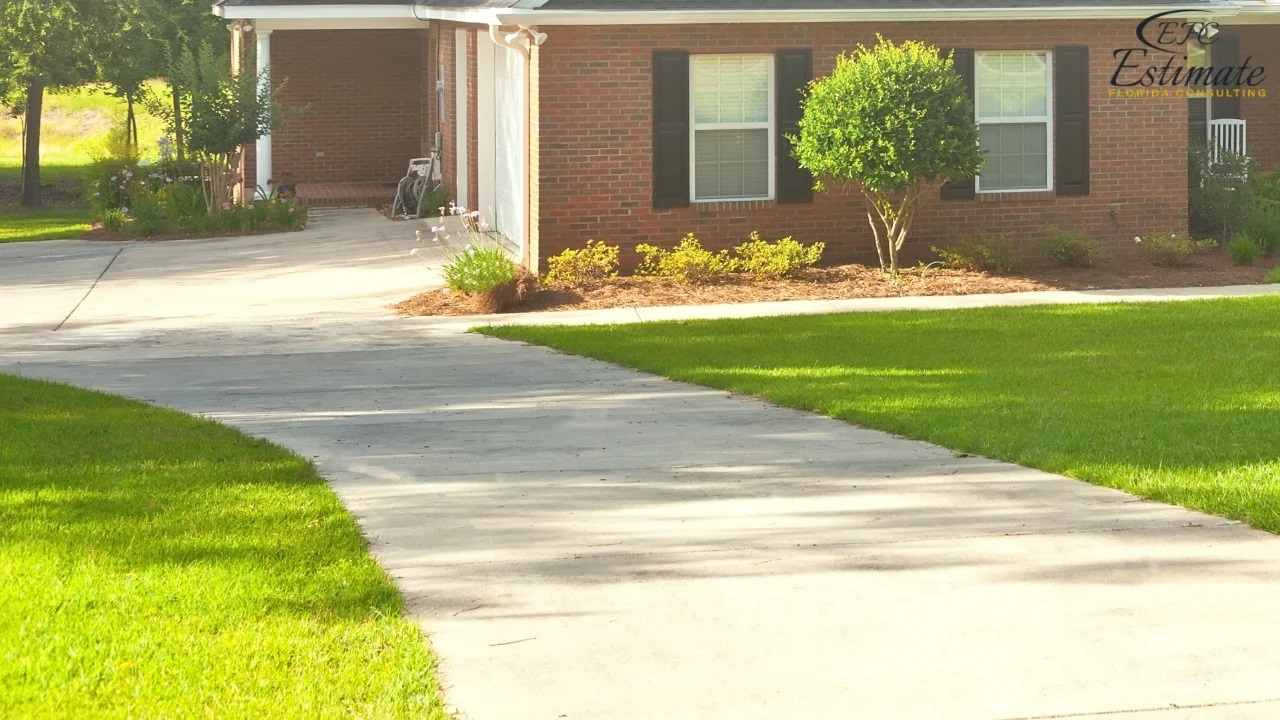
(585, 541)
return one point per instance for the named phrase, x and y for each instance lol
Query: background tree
(181, 27)
(224, 112)
(135, 54)
(47, 44)
(891, 120)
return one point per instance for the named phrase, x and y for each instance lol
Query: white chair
(1227, 136)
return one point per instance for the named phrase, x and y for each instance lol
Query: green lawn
(76, 128)
(153, 565)
(1178, 402)
(17, 225)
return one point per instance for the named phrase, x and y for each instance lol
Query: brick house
(641, 120)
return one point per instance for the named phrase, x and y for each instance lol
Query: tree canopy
(889, 120)
(52, 44)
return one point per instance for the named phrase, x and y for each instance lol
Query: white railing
(1227, 136)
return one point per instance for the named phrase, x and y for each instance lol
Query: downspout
(500, 39)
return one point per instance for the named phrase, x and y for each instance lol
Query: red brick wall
(594, 143)
(365, 106)
(1262, 43)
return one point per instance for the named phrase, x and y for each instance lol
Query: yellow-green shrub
(584, 268)
(769, 261)
(689, 262)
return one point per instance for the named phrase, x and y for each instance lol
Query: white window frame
(694, 127)
(1047, 119)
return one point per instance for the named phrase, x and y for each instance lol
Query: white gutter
(390, 11)
(526, 16)
(697, 17)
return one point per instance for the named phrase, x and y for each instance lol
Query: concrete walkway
(583, 541)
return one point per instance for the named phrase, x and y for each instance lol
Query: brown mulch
(857, 281)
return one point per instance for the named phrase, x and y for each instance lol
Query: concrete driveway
(583, 541)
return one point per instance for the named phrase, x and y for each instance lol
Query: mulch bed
(858, 281)
(98, 233)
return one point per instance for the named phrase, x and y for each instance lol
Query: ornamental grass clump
(784, 258)
(688, 262)
(478, 269)
(482, 270)
(1244, 249)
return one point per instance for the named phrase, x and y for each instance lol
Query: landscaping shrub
(1221, 197)
(688, 262)
(183, 206)
(148, 215)
(1068, 248)
(1172, 249)
(109, 185)
(1264, 227)
(113, 220)
(1244, 249)
(769, 261)
(479, 268)
(1266, 188)
(584, 268)
(286, 213)
(435, 201)
(983, 252)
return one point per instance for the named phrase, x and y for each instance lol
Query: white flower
(413, 252)
(484, 225)
(1137, 240)
(475, 213)
(417, 234)
(114, 179)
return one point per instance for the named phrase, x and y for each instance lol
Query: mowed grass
(19, 225)
(1177, 402)
(76, 127)
(153, 565)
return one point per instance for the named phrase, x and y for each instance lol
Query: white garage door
(509, 160)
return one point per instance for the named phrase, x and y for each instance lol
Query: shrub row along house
(637, 121)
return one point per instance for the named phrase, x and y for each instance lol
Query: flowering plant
(481, 265)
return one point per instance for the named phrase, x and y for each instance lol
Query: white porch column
(263, 158)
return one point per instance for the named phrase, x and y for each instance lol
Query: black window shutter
(793, 71)
(670, 128)
(962, 189)
(1071, 119)
(1225, 52)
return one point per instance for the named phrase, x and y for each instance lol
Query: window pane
(1017, 156)
(731, 164)
(730, 88)
(1012, 85)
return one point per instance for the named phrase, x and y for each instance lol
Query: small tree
(223, 112)
(892, 120)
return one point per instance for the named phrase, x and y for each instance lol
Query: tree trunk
(130, 125)
(31, 145)
(179, 141)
